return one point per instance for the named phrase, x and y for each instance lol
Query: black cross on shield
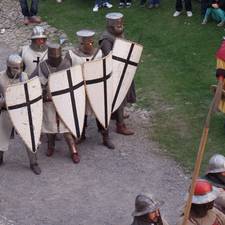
(28, 103)
(126, 62)
(104, 80)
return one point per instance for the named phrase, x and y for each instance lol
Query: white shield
(25, 107)
(126, 56)
(98, 80)
(68, 96)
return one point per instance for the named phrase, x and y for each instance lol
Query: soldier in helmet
(13, 74)
(52, 124)
(202, 210)
(115, 29)
(87, 52)
(216, 176)
(36, 52)
(147, 211)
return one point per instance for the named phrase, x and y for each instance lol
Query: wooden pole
(201, 149)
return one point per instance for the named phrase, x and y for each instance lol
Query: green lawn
(177, 69)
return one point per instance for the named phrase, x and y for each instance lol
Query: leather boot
(72, 147)
(106, 140)
(35, 168)
(122, 129)
(1, 157)
(51, 144)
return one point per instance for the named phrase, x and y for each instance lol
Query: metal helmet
(14, 65)
(86, 41)
(54, 54)
(54, 50)
(216, 164)
(144, 204)
(82, 34)
(38, 32)
(115, 24)
(114, 17)
(204, 192)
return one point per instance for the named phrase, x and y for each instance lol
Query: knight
(115, 29)
(52, 123)
(13, 74)
(202, 210)
(147, 211)
(83, 53)
(215, 174)
(36, 52)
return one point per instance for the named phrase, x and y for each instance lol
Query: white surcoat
(31, 58)
(5, 122)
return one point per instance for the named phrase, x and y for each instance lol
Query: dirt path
(102, 188)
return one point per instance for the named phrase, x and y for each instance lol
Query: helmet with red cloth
(204, 192)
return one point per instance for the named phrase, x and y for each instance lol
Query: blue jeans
(25, 8)
(217, 14)
(153, 2)
(100, 2)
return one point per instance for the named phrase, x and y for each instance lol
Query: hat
(216, 164)
(85, 33)
(38, 32)
(204, 192)
(144, 204)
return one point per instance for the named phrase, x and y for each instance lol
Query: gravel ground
(102, 188)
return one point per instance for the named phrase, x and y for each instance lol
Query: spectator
(142, 3)
(179, 8)
(30, 15)
(215, 9)
(125, 3)
(151, 3)
(101, 3)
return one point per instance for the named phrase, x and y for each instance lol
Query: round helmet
(144, 204)
(14, 65)
(38, 32)
(216, 164)
(14, 60)
(204, 192)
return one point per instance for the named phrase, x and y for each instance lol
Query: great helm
(204, 192)
(144, 204)
(54, 50)
(114, 17)
(216, 164)
(38, 32)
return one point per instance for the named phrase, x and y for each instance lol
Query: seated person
(215, 9)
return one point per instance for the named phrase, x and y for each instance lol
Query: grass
(174, 77)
